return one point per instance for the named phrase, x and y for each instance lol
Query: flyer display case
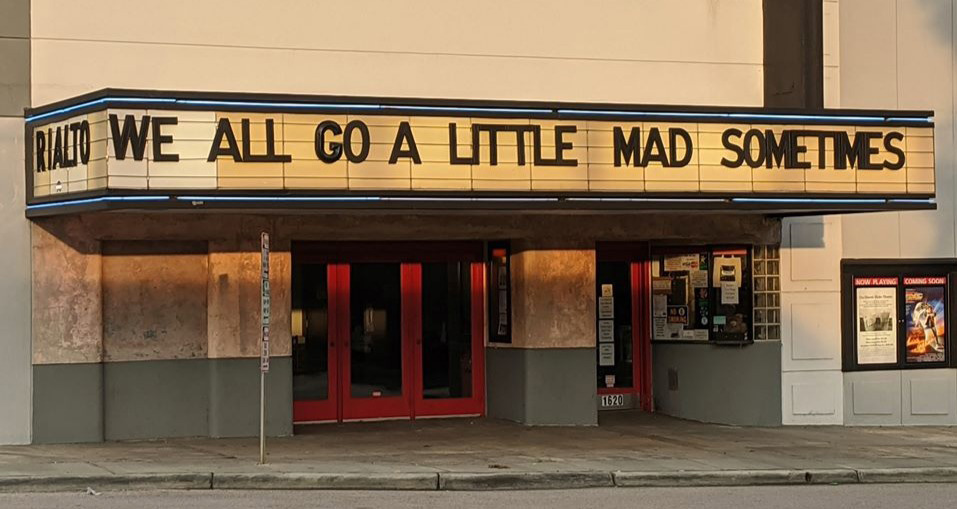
(702, 294)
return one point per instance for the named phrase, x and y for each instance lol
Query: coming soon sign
(461, 151)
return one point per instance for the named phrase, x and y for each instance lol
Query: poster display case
(895, 314)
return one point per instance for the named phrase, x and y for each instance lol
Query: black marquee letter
(334, 146)
(159, 139)
(728, 144)
(347, 141)
(404, 135)
(224, 128)
(121, 140)
(627, 149)
(892, 136)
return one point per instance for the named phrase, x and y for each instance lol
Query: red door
(382, 337)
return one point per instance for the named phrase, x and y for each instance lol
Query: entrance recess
(387, 331)
(624, 342)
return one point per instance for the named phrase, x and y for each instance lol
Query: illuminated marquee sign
(174, 145)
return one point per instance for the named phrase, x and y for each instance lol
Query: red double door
(387, 331)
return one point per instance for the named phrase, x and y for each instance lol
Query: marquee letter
(404, 136)
(335, 147)
(728, 144)
(121, 140)
(41, 147)
(673, 134)
(627, 149)
(347, 141)
(159, 139)
(893, 149)
(224, 128)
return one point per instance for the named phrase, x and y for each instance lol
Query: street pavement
(876, 496)
(626, 449)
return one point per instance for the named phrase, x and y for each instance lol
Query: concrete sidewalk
(627, 449)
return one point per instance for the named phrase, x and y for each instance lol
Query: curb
(477, 481)
(525, 481)
(325, 481)
(106, 482)
(683, 478)
(908, 475)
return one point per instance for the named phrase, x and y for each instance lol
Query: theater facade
(538, 262)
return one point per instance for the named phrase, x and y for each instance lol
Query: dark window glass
(615, 342)
(446, 330)
(376, 330)
(499, 293)
(310, 341)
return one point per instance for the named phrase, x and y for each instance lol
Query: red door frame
(638, 257)
(340, 405)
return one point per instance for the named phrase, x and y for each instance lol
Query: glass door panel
(374, 367)
(446, 357)
(313, 359)
(615, 339)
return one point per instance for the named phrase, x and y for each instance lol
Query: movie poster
(877, 325)
(925, 319)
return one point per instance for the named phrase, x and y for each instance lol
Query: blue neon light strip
(101, 199)
(105, 100)
(334, 199)
(481, 110)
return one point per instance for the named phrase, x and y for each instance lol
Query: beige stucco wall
(638, 51)
(209, 300)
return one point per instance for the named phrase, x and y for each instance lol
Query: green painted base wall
(159, 399)
(542, 386)
(721, 384)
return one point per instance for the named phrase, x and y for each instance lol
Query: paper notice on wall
(700, 335)
(502, 326)
(661, 285)
(606, 354)
(606, 331)
(655, 269)
(606, 307)
(659, 305)
(680, 263)
(660, 327)
(607, 290)
(726, 269)
(729, 292)
(502, 277)
(877, 325)
(699, 279)
(688, 334)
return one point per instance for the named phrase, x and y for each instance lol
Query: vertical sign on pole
(264, 351)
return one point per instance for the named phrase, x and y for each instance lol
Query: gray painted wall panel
(67, 403)
(14, 78)
(15, 360)
(150, 399)
(723, 384)
(15, 18)
(542, 386)
(234, 397)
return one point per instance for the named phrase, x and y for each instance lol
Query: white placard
(606, 307)
(659, 305)
(606, 331)
(681, 263)
(729, 292)
(607, 290)
(876, 325)
(699, 279)
(726, 269)
(660, 326)
(661, 285)
(606, 354)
